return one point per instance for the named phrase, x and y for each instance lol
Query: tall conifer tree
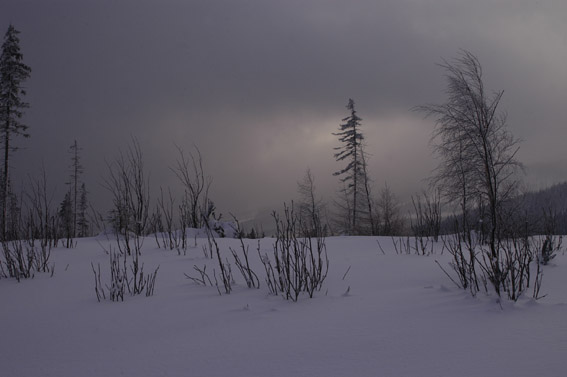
(13, 72)
(74, 182)
(353, 175)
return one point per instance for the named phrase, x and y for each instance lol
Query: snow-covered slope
(391, 315)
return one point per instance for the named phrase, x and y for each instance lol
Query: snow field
(401, 317)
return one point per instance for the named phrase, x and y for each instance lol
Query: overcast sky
(259, 86)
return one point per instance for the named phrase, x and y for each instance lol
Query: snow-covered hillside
(390, 315)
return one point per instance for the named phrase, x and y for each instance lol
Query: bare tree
(477, 152)
(41, 221)
(310, 206)
(471, 131)
(130, 189)
(164, 221)
(41, 216)
(370, 205)
(390, 212)
(342, 221)
(427, 215)
(189, 170)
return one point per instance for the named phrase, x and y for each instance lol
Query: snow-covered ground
(401, 317)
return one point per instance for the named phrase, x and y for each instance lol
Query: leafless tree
(310, 205)
(130, 189)
(426, 221)
(390, 212)
(370, 205)
(342, 218)
(473, 142)
(476, 150)
(196, 202)
(41, 220)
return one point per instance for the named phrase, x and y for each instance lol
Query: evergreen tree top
(11, 58)
(351, 137)
(12, 73)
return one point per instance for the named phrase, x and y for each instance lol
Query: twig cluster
(224, 266)
(300, 264)
(126, 275)
(23, 258)
(243, 265)
(510, 272)
(30, 234)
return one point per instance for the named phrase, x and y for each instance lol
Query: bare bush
(512, 274)
(204, 276)
(126, 275)
(463, 249)
(32, 231)
(164, 225)
(19, 259)
(225, 269)
(140, 282)
(243, 266)
(419, 245)
(300, 264)
(118, 276)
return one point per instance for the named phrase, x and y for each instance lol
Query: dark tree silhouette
(13, 72)
(353, 174)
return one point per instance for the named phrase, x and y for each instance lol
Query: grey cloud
(260, 85)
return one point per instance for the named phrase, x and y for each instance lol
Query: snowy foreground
(401, 317)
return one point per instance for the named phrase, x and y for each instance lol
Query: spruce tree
(13, 72)
(74, 181)
(82, 221)
(354, 173)
(66, 218)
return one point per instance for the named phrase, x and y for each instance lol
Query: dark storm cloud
(260, 85)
